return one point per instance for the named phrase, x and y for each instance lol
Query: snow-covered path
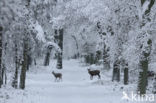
(75, 87)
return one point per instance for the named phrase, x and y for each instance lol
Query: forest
(77, 51)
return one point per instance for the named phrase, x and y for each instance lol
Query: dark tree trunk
(29, 61)
(154, 86)
(60, 43)
(106, 63)
(126, 76)
(59, 61)
(24, 66)
(4, 76)
(15, 78)
(1, 78)
(3, 71)
(146, 51)
(35, 62)
(116, 71)
(47, 57)
(143, 79)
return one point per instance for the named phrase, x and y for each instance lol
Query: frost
(40, 32)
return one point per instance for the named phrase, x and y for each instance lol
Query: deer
(58, 76)
(94, 73)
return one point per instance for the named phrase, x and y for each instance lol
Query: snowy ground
(75, 87)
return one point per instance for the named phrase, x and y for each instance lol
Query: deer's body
(94, 73)
(58, 76)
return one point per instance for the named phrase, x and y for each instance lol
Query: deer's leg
(55, 79)
(99, 76)
(60, 78)
(91, 77)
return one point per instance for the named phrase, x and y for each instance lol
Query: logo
(136, 97)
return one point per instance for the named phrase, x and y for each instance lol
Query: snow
(76, 87)
(145, 6)
(40, 32)
(54, 45)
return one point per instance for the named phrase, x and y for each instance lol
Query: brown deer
(94, 73)
(58, 76)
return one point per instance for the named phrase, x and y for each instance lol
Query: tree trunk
(154, 86)
(59, 61)
(106, 63)
(35, 62)
(60, 43)
(144, 60)
(126, 76)
(1, 78)
(5, 78)
(143, 77)
(116, 71)
(47, 57)
(3, 71)
(15, 78)
(143, 80)
(29, 61)
(24, 66)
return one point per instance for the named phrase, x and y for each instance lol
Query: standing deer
(57, 75)
(94, 73)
